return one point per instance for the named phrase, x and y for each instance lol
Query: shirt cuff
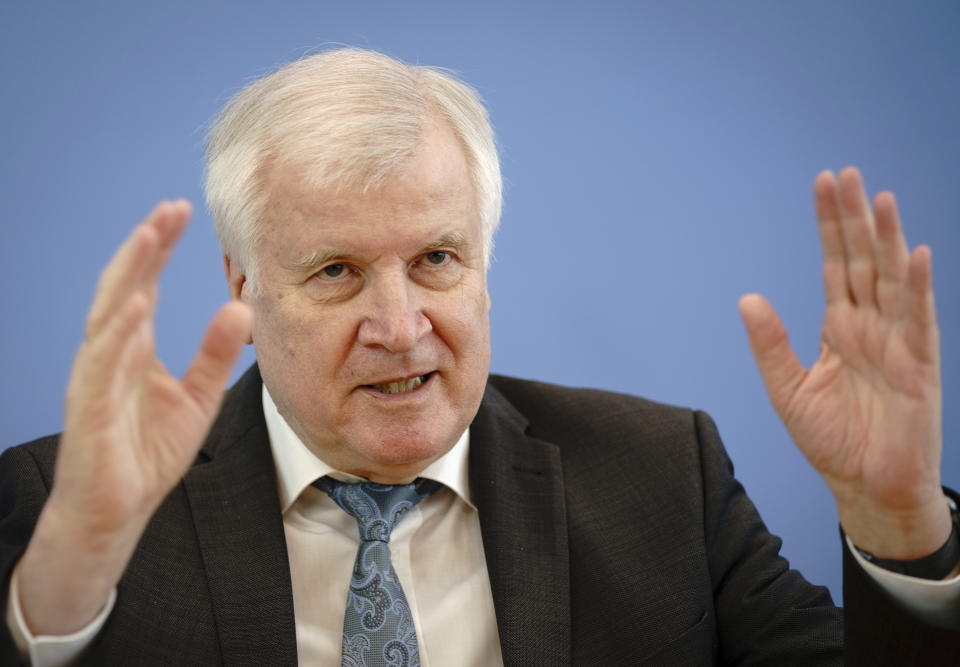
(49, 650)
(931, 600)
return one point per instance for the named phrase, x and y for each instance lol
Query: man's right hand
(131, 432)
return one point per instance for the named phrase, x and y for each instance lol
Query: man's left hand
(867, 414)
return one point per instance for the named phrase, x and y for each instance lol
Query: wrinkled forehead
(430, 193)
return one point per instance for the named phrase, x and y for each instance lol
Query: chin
(409, 450)
(405, 455)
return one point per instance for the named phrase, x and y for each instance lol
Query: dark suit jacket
(613, 529)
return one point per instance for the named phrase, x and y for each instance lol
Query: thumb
(779, 367)
(224, 339)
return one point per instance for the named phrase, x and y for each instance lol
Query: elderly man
(368, 494)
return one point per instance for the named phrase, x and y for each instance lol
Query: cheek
(281, 333)
(466, 327)
(267, 325)
(316, 341)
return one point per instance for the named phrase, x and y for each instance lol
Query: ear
(236, 280)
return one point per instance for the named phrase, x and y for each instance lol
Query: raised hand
(867, 414)
(131, 432)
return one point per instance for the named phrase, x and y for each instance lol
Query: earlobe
(489, 302)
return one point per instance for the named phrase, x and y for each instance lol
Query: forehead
(431, 194)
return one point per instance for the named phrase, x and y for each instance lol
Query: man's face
(371, 325)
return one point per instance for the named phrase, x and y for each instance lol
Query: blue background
(658, 161)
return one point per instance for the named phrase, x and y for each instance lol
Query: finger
(169, 229)
(779, 367)
(116, 281)
(892, 255)
(103, 363)
(856, 223)
(137, 263)
(920, 332)
(831, 238)
(225, 337)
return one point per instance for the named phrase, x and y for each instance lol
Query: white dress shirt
(436, 550)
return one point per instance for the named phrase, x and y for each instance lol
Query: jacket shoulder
(560, 410)
(39, 455)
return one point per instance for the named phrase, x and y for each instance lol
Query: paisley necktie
(378, 626)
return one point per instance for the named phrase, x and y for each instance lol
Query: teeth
(397, 387)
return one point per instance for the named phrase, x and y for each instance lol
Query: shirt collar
(298, 467)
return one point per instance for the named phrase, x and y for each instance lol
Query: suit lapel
(232, 490)
(517, 483)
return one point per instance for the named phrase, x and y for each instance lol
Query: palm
(863, 404)
(135, 448)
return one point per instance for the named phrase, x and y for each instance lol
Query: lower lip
(400, 395)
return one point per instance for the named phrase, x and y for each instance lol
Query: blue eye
(333, 271)
(437, 257)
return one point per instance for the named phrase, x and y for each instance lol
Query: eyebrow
(316, 258)
(448, 240)
(320, 257)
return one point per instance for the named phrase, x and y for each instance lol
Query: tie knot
(376, 507)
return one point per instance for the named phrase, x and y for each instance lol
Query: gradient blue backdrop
(658, 159)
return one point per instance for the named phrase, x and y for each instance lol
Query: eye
(334, 282)
(437, 258)
(333, 271)
(437, 269)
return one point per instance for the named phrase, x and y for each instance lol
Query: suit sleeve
(766, 612)
(880, 631)
(25, 478)
(753, 584)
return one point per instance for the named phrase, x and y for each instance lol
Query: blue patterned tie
(378, 625)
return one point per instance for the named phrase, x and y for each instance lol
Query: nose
(393, 318)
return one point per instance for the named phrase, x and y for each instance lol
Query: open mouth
(401, 386)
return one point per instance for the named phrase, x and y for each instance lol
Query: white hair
(350, 117)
